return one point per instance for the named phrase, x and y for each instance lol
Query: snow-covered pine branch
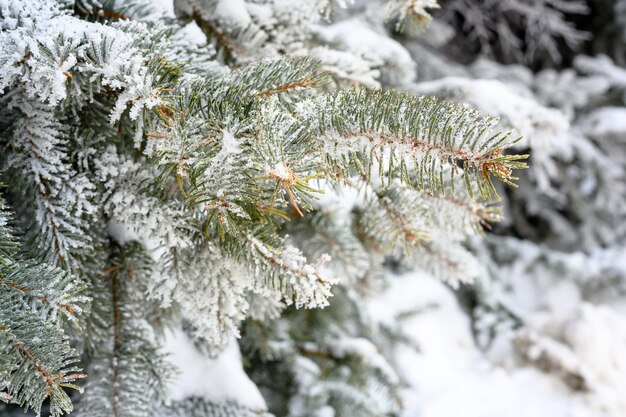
(36, 360)
(166, 159)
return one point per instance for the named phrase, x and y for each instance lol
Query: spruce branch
(128, 372)
(232, 142)
(273, 76)
(230, 41)
(414, 136)
(479, 216)
(447, 260)
(328, 232)
(203, 407)
(401, 219)
(209, 288)
(401, 222)
(302, 283)
(46, 291)
(8, 243)
(111, 11)
(101, 10)
(236, 154)
(40, 159)
(227, 47)
(36, 360)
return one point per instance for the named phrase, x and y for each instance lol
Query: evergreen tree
(257, 183)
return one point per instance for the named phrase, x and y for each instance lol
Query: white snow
(601, 65)
(281, 171)
(234, 12)
(348, 66)
(219, 379)
(365, 350)
(597, 335)
(166, 6)
(192, 32)
(358, 38)
(450, 377)
(605, 122)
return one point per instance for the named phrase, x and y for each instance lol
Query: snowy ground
(451, 377)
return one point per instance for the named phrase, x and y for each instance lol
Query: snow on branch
(415, 135)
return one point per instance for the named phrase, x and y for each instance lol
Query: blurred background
(542, 330)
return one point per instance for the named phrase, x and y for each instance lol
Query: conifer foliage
(155, 180)
(36, 300)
